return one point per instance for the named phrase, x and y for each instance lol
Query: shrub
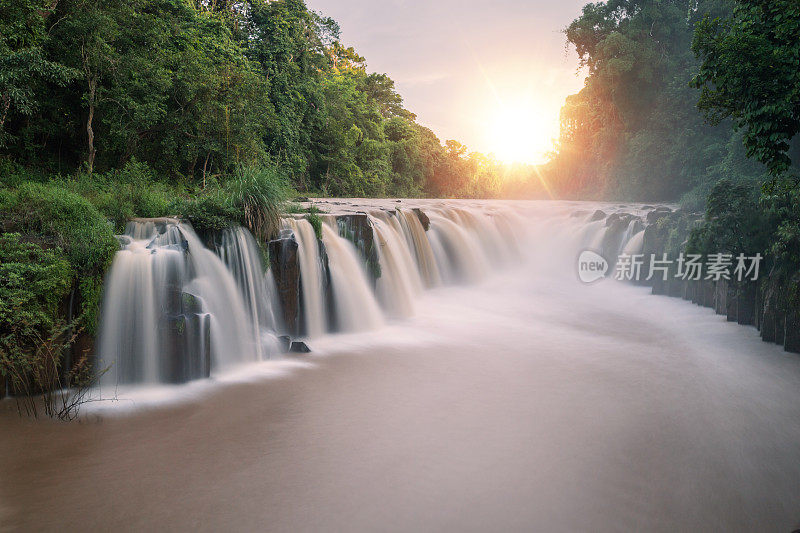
(56, 218)
(121, 195)
(33, 283)
(257, 194)
(210, 212)
(315, 220)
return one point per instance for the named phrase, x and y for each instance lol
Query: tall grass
(257, 195)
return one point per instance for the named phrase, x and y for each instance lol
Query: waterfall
(634, 244)
(243, 257)
(311, 270)
(355, 305)
(458, 252)
(423, 252)
(172, 310)
(175, 310)
(400, 280)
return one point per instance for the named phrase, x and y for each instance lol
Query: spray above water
(176, 311)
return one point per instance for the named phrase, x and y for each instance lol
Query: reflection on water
(528, 401)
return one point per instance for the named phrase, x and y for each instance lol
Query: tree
(23, 65)
(750, 72)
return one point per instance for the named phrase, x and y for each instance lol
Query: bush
(122, 195)
(315, 220)
(733, 223)
(210, 212)
(33, 283)
(56, 218)
(257, 195)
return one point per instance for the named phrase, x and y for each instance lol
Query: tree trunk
(89, 124)
(205, 166)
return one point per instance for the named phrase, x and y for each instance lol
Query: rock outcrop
(286, 271)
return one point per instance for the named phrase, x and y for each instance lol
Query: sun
(520, 134)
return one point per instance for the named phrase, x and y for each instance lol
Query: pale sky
(492, 75)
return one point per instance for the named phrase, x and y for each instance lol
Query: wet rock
(299, 347)
(285, 266)
(598, 215)
(732, 307)
(173, 363)
(616, 227)
(791, 341)
(768, 324)
(191, 304)
(423, 218)
(746, 304)
(707, 299)
(357, 229)
(675, 287)
(654, 216)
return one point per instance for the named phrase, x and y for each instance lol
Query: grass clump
(256, 195)
(315, 220)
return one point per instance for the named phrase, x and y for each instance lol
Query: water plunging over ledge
(179, 308)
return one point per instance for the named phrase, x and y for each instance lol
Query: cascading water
(458, 253)
(240, 252)
(418, 241)
(172, 311)
(356, 308)
(176, 311)
(311, 270)
(400, 280)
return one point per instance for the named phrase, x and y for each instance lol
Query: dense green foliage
(751, 72)
(633, 132)
(56, 218)
(196, 90)
(33, 281)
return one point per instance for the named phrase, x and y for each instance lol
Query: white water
(311, 272)
(243, 257)
(174, 308)
(173, 311)
(356, 306)
(400, 283)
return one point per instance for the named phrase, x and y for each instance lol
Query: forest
(220, 111)
(190, 91)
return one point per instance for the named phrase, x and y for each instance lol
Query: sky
(492, 75)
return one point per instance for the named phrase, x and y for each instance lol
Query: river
(527, 401)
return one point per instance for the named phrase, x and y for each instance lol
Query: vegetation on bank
(697, 101)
